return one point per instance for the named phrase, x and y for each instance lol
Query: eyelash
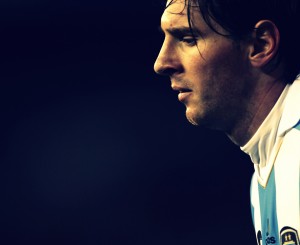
(188, 40)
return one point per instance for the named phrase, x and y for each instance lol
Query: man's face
(209, 74)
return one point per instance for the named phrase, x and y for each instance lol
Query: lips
(183, 96)
(183, 92)
(181, 89)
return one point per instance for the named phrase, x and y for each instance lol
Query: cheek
(227, 66)
(219, 66)
(211, 61)
(219, 78)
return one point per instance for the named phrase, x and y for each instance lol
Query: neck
(257, 110)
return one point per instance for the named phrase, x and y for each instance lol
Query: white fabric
(259, 147)
(275, 148)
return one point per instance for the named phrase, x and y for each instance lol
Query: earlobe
(265, 43)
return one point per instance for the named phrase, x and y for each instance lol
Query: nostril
(167, 71)
(156, 67)
(167, 65)
(164, 69)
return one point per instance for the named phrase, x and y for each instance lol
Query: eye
(190, 40)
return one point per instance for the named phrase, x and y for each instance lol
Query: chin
(199, 118)
(192, 117)
(192, 121)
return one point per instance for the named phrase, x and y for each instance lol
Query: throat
(257, 112)
(261, 144)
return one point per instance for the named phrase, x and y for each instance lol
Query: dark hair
(238, 18)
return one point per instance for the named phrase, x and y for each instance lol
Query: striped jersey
(275, 192)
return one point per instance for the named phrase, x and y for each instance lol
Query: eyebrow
(179, 31)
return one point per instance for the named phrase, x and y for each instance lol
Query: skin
(220, 81)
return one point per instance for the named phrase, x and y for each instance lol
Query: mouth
(184, 90)
(180, 89)
(183, 93)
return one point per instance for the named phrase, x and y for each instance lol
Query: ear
(265, 43)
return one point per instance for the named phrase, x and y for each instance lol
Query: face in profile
(208, 70)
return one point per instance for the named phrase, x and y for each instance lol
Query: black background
(95, 147)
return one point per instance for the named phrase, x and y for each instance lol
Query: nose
(167, 62)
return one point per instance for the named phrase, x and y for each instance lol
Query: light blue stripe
(252, 207)
(297, 126)
(269, 223)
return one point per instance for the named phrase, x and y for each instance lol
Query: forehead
(184, 2)
(176, 7)
(176, 13)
